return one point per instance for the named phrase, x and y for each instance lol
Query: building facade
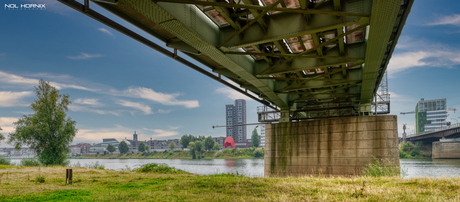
(430, 114)
(262, 136)
(236, 114)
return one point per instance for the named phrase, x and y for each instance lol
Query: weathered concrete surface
(446, 150)
(341, 146)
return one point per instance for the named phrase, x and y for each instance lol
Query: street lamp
(455, 119)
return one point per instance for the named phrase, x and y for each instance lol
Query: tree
(255, 138)
(198, 146)
(111, 148)
(141, 147)
(184, 140)
(192, 148)
(209, 143)
(123, 147)
(216, 146)
(48, 132)
(172, 145)
(1, 136)
(147, 148)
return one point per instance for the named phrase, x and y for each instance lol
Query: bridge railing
(435, 130)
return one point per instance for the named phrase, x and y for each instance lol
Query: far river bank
(249, 153)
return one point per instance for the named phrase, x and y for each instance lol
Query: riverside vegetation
(409, 150)
(181, 154)
(153, 182)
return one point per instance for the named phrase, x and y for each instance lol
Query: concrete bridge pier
(338, 147)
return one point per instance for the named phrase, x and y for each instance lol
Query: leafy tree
(184, 140)
(199, 146)
(123, 147)
(147, 148)
(111, 148)
(1, 136)
(209, 143)
(141, 147)
(216, 146)
(47, 131)
(172, 145)
(255, 138)
(192, 148)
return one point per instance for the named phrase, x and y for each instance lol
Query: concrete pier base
(338, 147)
(446, 150)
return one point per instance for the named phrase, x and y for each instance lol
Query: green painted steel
(296, 55)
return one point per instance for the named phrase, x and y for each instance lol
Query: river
(255, 167)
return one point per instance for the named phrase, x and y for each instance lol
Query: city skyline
(118, 85)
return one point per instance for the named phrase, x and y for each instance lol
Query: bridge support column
(341, 146)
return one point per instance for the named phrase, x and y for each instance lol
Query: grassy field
(23, 184)
(227, 154)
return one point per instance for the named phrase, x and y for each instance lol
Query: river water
(255, 167)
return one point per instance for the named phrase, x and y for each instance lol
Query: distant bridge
(451, 131)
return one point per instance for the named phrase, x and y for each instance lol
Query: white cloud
(162, 111)
(231, 93)
(87, 101)
(17, 80)
(174, 127)
(96, 135)
(163, 98)
(146, 109)
(10, 99)
(447, 20)
(84, 56)
(416, 54)
(30, 82)
(6, 123)
(400, 98)
(105, 31)
(162, 133)
(76, 108)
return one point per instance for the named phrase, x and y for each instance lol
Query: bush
(40, 179)
(258, 154)
(403, 154)
(415, 153)
(202, 156)
(5, 161)
(377, 169)
(30, 162)
(159, 168)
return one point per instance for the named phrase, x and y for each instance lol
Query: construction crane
(404, 113)
(413, 112)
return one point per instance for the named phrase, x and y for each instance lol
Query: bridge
(318, 60)
(452, 131)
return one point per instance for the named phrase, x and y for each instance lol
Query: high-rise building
(430, 114)
(236, 114)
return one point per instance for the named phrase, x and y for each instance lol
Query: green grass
(108, 185)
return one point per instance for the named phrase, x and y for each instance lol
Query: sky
(118, 85)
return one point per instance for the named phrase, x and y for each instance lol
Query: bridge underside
(304, 58)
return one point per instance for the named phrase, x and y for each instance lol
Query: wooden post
(68, 176)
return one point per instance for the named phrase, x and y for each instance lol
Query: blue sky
(119, 86)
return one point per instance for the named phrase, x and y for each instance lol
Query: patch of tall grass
(384, 168)
(159, 168)
(95, 165)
